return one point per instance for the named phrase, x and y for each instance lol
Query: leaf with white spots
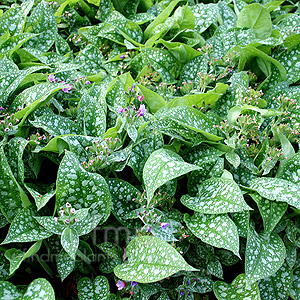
(70, 241)
(96, 290)
(291, 169)
(81, 188)
(205, 15)
(295, 289)
(122, 195)
(277, 189)
(214, 267)
(216, 196)
(161, 60)
(43, 23)
(90, 60)
(193, 67)
(9, 291)
(39, 289)
(4, 266)
(150, 259)
(278, 285)
(25, 228)
(271, 211)
(237, 290)
(241, 220)
(65, 264)
(193, 119)
(57, 125)
(216, 230)
(163, 165)
(264, 255)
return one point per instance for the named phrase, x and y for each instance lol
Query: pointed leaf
(150, 259)
(65, 264)
(70, 241)
(39, 289)
(96, 290)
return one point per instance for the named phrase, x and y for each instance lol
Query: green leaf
(216, 230)
(65, 264)
(192, 119)
(81, 188)
(193, 67)
(214, 267)
(39, 289)
(97, 289)
(70, 241)
(276, 286)
(264, 255)
(150, 259)
(271, 212)
(9, 291)
(57, 125)
(25, 228)
(257, 17)
(217, 196)
(291, 169)
(40, 200)
(277, 189)
(295, 290)
(238, 289)
(163, 165)
(16, 256)
(241, 220)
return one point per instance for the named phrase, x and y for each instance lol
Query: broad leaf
(97, 289)
(70, 241)
(65, 264)
(163, 165)
(216, 230)
(264, 255)
(39, 289)
(217, 196)
(150, 259)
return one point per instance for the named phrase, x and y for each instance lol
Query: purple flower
(122, 56)
(87, 82)
(133, 284)
(181, 293)
(67, 88)
(120, 285)
(142, 110)
(140, 98)
(120, 109)
(148, 228)
(51, 78)
(188, 282)
(164, 225)
(1, 109)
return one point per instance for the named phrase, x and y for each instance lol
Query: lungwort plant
(149, 150)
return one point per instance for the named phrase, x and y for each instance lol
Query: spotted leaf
(216, 230)
(9, 291)
(150, 259)
(81, 188)
(163, 165)
(97, 289)
(276, 286)
(39, 289)
(277, 189)
(291, 169)
(217, 196)
(65, 264)
(295, 290)
(238, 289)
(70, 241)
(264, 255)
(193, 67)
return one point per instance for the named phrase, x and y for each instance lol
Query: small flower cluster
(75, 39)
(38, 138)
(68, 87)
(252, 97)
(286, 104)
(101, 152)
(67, 215)
(67, 16)
(150, 79)
(7, 122)
(166, 90)
(121, 285)
(130, 113)
(204, 80)
(81, 82)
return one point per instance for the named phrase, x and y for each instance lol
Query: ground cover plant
(149, 150)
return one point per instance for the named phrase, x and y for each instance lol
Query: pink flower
(141, 98)
(120, 285)
(87, 82)
(164, 225)
(51, 78)
(142, 110)
(67, 88)
(120, 109)
(72, 210)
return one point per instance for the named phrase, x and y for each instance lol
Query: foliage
(149, 148)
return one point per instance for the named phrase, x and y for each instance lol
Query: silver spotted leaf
(216, 196)
(25, 228)
(193, 119)
(96, 290)
(216, 230)
(295, 290)
(264, 255)
(237, 290)
(9, 291)
(4, 266)
(70, 241)
(214, 267)
(81, 188)
(277, 189)
(291, 169)
(39, 289)
(150, 259)
(193, 67)
(241, 220)
(57, 125)
(162, 166)
(271, 211)
(65, 264)
(278, 285)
